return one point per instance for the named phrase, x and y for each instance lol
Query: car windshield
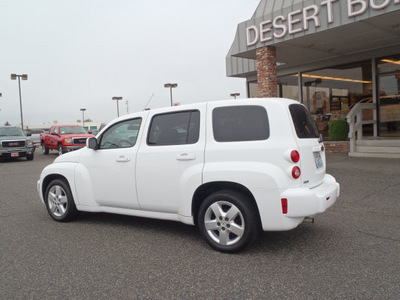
(72, 129)
(11, 131)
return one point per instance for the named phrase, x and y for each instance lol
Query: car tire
(45, 150)
(59, 201)
(60, 149)
(29, 156)
(228, 221)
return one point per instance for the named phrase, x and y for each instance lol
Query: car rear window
(240, 123)
(303, 122)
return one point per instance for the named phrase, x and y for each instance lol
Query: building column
(266, 72)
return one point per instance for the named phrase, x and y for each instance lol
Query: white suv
(230, 167)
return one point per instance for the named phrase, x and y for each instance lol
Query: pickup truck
(64, 138)
(15, 143)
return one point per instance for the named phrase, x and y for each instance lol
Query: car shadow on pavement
(303, 238)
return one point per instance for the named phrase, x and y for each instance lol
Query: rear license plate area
(318, 160)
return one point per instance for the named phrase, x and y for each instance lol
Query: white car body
(164, 182)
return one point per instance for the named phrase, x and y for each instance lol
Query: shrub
(338, 130)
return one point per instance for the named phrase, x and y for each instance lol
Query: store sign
(300, 20)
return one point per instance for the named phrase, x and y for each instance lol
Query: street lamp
(83, 116)
(24, 77)
(117, 99)
(170, 86)
(234, 95)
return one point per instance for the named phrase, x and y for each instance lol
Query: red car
(64, 138)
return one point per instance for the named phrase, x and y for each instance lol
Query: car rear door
(312, 154)
(170, 160)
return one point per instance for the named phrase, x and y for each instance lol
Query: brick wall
(337, 146)
(266, 72)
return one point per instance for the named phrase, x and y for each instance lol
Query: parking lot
(351, 252)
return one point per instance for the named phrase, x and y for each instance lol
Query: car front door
(170, 161)
(111, 167)
(52, 138)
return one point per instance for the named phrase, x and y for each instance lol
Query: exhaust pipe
(308, 220)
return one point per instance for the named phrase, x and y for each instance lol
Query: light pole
(170, 86)
(24, 77)
(117, 99)
(234, 95)
(83, 116)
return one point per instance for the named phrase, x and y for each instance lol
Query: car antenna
(145, 107)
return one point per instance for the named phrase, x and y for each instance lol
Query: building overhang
(307, 32)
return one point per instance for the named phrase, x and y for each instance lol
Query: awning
(312, 31)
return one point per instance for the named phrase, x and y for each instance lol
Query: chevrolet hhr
(232, 168)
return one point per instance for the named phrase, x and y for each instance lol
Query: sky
(81, 53)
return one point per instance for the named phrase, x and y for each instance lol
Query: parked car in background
(232, 168)
(64, 138)
(15, 143)
(35, 134)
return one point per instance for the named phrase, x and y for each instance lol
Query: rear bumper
(306, 202)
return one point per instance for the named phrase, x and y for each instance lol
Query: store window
(331, 93)
(253, 89)
(289, 87)
(389, 96)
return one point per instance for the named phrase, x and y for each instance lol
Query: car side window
(174, 129)
(121, 135)
(240, 123)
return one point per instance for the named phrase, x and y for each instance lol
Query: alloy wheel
(224, 223)
(57, 201)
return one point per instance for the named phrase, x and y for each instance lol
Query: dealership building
(340, 58)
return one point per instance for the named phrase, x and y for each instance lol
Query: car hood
(14, 137)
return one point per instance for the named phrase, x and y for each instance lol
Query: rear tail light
(284, 205)
(295, 156)
(296, 172)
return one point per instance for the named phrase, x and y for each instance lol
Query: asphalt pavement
(351, 252)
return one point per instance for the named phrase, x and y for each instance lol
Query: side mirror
(89, 131)
(54, 133)
(92, 143)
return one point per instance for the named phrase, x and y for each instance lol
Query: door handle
(185, 156)
(122, 159)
